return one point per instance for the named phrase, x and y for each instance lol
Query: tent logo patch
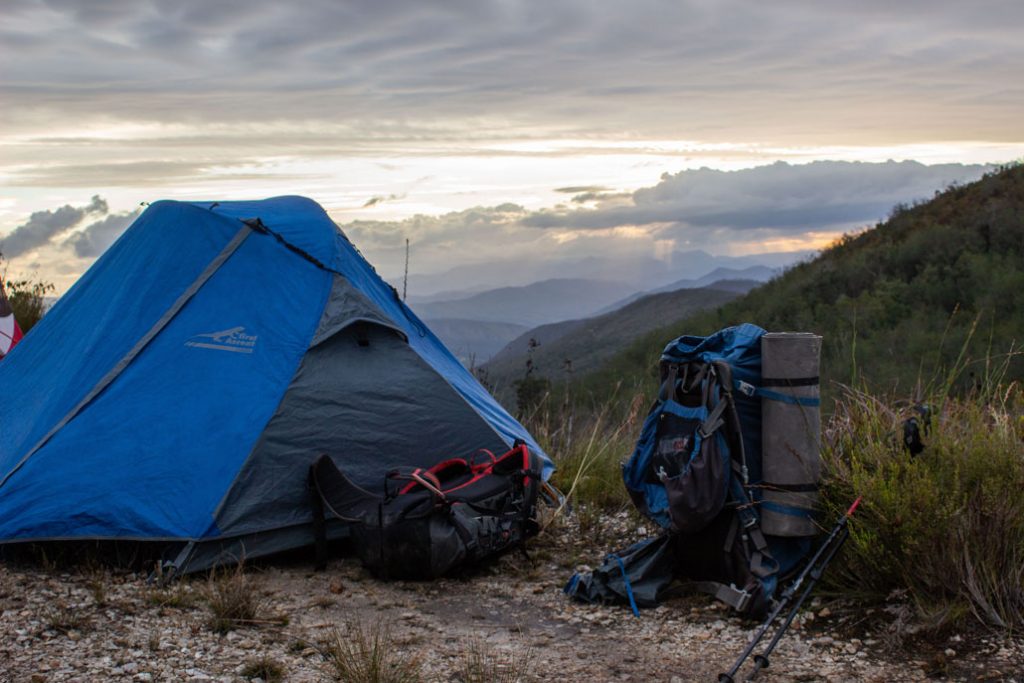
(234, 339)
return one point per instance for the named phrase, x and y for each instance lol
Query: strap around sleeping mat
(790, 381)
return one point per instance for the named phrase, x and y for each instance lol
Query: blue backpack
(698, 471)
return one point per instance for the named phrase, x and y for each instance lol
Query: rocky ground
(508, 622)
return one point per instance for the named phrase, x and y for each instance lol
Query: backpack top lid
(739, 346)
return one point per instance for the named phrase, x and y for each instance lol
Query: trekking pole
(761, 660)
(814, 569)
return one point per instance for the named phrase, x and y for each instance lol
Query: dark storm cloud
(783, 197)
(42, 226)
(97, 236)
(787, 69)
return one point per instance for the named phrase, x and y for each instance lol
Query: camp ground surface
(93, 625)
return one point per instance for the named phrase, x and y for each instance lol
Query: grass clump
(176, 596)
(946, 526)
(368, 653)
(482, 663)
(97, 582)
(264, 668)
(65, 619)
(589, 447)
(235, 600)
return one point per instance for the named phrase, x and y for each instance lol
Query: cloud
(580, 189)
(729, 70)
(42, 226)
(142, 173)
(784, 198)
(777, 207)
(586, 197)
(97, 236)
(378, 199)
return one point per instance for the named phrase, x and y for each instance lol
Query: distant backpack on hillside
(727, 463)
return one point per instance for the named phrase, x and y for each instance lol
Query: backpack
(727, 461)
(426, 522)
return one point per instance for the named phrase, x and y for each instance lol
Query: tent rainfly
(182, 387)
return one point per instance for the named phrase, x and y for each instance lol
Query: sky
(490, 132)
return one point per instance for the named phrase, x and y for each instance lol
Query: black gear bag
(427, 522)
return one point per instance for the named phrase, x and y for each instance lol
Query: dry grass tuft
(482, 663)
(235, 601)
(263, 668)
(362, 653)
(65, 619)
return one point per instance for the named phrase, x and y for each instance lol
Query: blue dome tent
(182, 387)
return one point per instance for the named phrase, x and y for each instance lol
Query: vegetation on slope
(897, 305)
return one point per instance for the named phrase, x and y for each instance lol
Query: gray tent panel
(368, 400)
(198, 556)
(346, 306)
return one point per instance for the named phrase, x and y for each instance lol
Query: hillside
(589, 342)
(739, 280)
(896, 304)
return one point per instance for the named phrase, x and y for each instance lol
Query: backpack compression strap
(749, 389)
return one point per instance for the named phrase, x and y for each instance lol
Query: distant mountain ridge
(534, 304)
(474, 341)
(755, 273)
(742, 280)
(642, 271)
(587, 343)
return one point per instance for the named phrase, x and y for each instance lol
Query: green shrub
(948, 525)
(27, 299)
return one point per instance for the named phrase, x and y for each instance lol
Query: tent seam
(277, 407)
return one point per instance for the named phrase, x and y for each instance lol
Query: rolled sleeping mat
(790, 432)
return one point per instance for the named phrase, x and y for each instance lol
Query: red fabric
(10, 333)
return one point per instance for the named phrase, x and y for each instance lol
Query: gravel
(95, 625)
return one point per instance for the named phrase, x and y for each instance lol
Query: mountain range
(641, 272)
(560, 350)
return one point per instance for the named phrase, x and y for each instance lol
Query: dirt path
(94, 626)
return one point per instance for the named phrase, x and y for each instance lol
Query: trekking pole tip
(853, 508)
